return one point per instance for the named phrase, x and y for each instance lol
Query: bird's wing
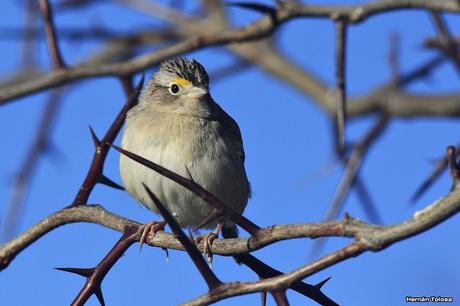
(232, 129)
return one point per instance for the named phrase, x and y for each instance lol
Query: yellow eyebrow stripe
(182, 82)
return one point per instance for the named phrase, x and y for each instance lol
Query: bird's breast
(187, 146)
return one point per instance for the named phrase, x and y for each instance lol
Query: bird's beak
(197, 93)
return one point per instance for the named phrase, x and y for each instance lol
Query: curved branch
(257, 30)
(371, 239)
(376, 237)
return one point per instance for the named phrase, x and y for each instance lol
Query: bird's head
(181, 85)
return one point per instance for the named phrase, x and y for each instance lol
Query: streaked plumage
(184, 130)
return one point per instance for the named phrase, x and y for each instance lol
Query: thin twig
(394, 57)
(353, 166)
(257, 30)
(29, 46)
(447, 42)
(368, 205)
(441, 166)
(51, 36)
(340, 56)
(39, 146)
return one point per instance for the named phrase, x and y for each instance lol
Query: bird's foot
(207, 239)
(207, 242)
(150, 227)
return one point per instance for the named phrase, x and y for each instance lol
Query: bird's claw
(207, 239)
(150, 227)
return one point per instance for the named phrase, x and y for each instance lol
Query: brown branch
(39, 146)
(265, 271)
(29, 46)
(257, 30)
(374, 239)
(269, 59)
(97, 275)
(433, 42)
(280, 298)
(103, 146)
(368, 205)
(447, 42)
(441, 166)
(354, 164)
(394, 57)
(205, 271)
(454, 166)
(51, 36)
(340, 55)
(369, 237)
(227, 247)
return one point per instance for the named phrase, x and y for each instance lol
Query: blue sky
(287, 140)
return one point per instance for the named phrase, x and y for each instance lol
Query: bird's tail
(229, 230)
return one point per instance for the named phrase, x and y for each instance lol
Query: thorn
(263, 298)
(85, 272)
(189, 174)
(321, 284)
(213, 215)
(96, 140)
(190, 235)
(99, 296)
(453, 165)
(258, 7)
(167, 254)
(102, 179)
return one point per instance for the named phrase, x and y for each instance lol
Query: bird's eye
(174, 88)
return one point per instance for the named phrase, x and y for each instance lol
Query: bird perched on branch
(179, 126)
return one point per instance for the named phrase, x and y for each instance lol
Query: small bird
(179, 126)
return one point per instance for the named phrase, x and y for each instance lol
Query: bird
(178, 125)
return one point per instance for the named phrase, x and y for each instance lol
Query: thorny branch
(341, 42)
(257, 30)
(95, 174)
(191, 33)
(40, 146)
(368, 237)
(96, 275)
(447, 42)
(51, 38)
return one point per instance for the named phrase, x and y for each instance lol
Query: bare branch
(376, 239)
(102, 147)
(441, 166)
(257, 30)
(51, 36)
(206, 272)
(340, 55)
(447, 42)
(369, 237)
(353, 165)
(39, 146)
(94, 280)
